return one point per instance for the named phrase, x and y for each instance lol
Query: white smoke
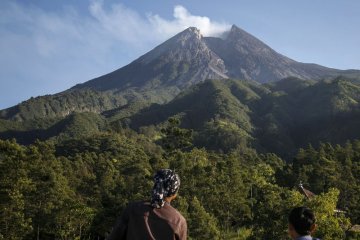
(184, 19)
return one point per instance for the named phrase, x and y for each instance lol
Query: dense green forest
(75, 187)
(241, 150)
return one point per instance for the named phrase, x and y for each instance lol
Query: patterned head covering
(167, 183)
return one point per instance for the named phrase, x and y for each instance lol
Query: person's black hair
(302, 218)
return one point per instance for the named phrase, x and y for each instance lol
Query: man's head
(301, 222)
(166, 185)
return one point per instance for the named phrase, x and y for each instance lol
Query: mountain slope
(225, 99)
(75, 125)
(279, 118)
(189, 58)
(225, 114)
(246, 57)
(179, 63)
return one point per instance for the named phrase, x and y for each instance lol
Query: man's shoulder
(139, 207)
(176, 216)
(167, 212)
(181, 217)
(139, 204)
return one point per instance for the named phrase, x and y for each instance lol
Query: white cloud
(121, 23)
(53, 33)
(127, 25)
(49, 51)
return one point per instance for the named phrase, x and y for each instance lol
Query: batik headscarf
(167, 183)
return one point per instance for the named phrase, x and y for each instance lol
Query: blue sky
(49, 46)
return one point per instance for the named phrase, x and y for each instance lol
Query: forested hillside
(224, 115)
(75, 188)
(241, 149)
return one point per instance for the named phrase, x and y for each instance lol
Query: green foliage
(331, 167)
(271, 207)
(221, 135)
(353, 233)
(175, 138)
(14, 184)
(73, 220)
(201, 225)
(224, 114)
(74, 187)
(331, 225)
(63, 104)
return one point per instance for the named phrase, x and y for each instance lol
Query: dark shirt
(142, 221)
(308, 237)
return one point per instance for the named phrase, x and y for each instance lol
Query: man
(156, 219)
(301, 224)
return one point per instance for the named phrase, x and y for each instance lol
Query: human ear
(313, 228)
(291, 231)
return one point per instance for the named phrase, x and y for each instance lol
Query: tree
(201, 224)
(73, 220)
(331, 224)
(15, 223)
(176, 138)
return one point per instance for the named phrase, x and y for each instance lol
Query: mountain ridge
(224, 114)
(158, 76)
